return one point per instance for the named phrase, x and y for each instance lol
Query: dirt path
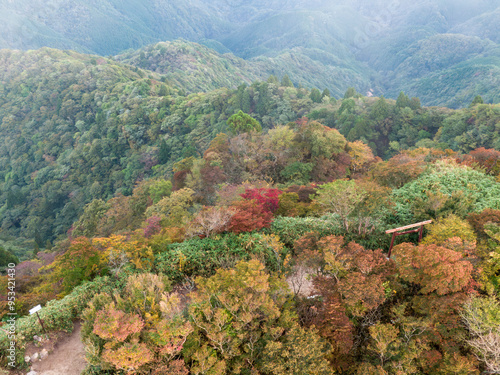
(67, 357)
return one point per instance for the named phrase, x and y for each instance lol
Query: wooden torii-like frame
(396, 232)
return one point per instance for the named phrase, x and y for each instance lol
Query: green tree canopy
(243, 123)
(7, 257)
(315, 95)
(477, 100)
(286, 81)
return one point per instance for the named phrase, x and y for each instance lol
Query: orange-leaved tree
(137, 329)
(435, 282)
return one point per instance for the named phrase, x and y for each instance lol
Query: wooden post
(41, 323)
(397, 232)
(35, 310)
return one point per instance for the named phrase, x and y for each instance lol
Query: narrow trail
(67, 357)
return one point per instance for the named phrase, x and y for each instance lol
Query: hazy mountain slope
(193, 67)
(420, 51)
(448, 70)
(337, 44)
(104, 27)
(69, 124)
(439, 52)
(455, 87)
(326, 29)
(307, 67)
(485, 26)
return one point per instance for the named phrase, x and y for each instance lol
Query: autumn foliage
(250, 215)
(138, 329)
(434, 268)
(400, 169)
(268, 199)
(486, 159)
(478, 220)
(81, 262)
(115, 325)
(311, 289)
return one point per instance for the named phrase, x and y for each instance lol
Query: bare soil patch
(66, 354)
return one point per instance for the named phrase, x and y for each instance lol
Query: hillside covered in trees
(242, 230)
(445, 52)
(79, 127)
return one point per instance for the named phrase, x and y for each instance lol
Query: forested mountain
(383, 46)
(78, 127)
(243, 230)
(194, 67)
(206, 185)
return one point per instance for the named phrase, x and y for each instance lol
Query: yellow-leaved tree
(243, 322)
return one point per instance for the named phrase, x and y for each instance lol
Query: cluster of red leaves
(267, 198)
(255, 211)
(249, 216)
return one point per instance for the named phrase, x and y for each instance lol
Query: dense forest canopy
(269, 242)
(80, 127)
(218, 204)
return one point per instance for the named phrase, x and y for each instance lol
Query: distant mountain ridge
(366, 44)
(193, 67)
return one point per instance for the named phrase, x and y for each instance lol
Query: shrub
(137, 328)
(201, 257)
(290, 229)
(446, 189)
